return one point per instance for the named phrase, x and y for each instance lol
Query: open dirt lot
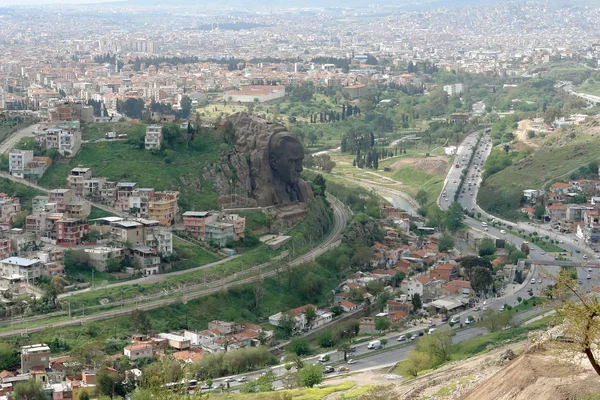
(429, 165)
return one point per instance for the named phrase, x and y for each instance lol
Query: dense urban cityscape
(336, 200)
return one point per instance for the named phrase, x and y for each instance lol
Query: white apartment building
(17, 160)
(153, 137)
(69, 143)
(29, 269)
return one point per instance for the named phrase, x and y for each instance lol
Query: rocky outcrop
(247, 170)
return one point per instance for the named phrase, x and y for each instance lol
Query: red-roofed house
(396, 316)
(445, 272)
(403, 266)
(138, 350)
(189, 356)
(393, 306)
(338, 298)
(458, 288)
(348, 306)
(560, 187)
(557, 211)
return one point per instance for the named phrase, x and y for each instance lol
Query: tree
(481, 279)
(84, 395)
(445, 243)
(382, 324)
(495, 320)
(416, 302)
(113, 265)
(140, 321)
(337, 311)
(109, 383)
(9, 358)
(299, 346)
(310, 314)
(310, 375)
(454, 216)
(89, 354)
(422, 197)
(171, 134)
(345, 348)
(416, 362)
(159, 373)
(287, 323)
(486, 247)
(29, 390)
(384, 341)
(438, 345)
(326, 339)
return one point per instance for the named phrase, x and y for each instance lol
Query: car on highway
(328, 369)
(502, 308)
(532, 280)
(539, 280)
(469, 320)
(242, 379)
(585, 257)
(588, 276)
(420, 333)
(431, 330)
(229, 379)
(455, 319)
(351, 361)
(580, 282)
(402, 338)
(502, 231)
(589, 270)
(206, 386)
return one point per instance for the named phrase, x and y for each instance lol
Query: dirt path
(521, 133)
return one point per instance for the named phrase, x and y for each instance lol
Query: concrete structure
(76, 179)
(355, 91)
(29, 269)
(138, 350)
(162, 207)
(153, 137)
(98, 257)
(146, 259)
(128, 231)
(18, 160)
(176, 341)
(36, 356)
(194, 222)
(70, 231)
(9, 207)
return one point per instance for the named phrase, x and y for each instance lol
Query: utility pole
(69, 309)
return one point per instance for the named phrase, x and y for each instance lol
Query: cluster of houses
(583, 219)
(214, 227)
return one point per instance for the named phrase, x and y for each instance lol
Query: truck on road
(374, 345)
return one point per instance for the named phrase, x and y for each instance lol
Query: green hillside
(175, 168)
(564, 152)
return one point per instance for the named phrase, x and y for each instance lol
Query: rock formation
(266, 163)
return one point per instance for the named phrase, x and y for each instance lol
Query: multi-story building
(108, 193)
(61, 197)
(93, 187)
(157, 237)
(77, 178)
(5, 248)
(9, 207)
(194, 222)
(591, 220)
(78, 209)
(29, 269)
(239, 224)
(36, 356)
(98, 257)
(38, 203)
(69, 143)
(37, 167)
(146, 259)
(128, 231)
(70, 231)
(219, 233)
(17, 161)
(162, 206)
(153, 137)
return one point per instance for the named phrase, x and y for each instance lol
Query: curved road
(341, 216)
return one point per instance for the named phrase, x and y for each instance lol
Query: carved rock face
(275, 160)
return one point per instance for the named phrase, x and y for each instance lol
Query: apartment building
(69, 143)
(17, 161)
(162, 207)
(5, 248)
(70, 231)
(157, 237)
(61, 197)
(36, 356)
(77, 178)
(9, 207)
(153, 137)
(29, 269)
(93, 187)
(37, 167)
(98, 257)
(146, 259)
(38, 203)
(239, 224)
(194, 222)
(128, 231)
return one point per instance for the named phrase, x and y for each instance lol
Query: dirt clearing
(429, 165)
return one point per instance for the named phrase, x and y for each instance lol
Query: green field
(96, 131)
(501, 193)
(179, 169)
(192, 255)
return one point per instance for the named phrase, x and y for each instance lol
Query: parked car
(532, 280)
(402, 338)
(431, 331)
(502, 308)
(351, 361)
(420, 333)
(328, 369)
(206, 386)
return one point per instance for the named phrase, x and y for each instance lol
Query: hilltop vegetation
(562, 154)
(178, 166)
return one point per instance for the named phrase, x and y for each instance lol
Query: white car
(588, 277)
(502, 231)
(585, 257)
(229, 379)
(431, 330)
(589, 270)
(242, 379)
(532, 280)
(401, 338)
(539, 280)
(351, 361)
(484, 308)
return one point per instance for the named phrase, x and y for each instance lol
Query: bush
(299, 347)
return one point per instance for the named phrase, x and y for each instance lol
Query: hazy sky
(36, 2)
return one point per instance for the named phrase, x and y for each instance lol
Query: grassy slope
(501, 193)
(96, 131)
(178, 169)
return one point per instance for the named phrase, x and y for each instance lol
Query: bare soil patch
(429, 165)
